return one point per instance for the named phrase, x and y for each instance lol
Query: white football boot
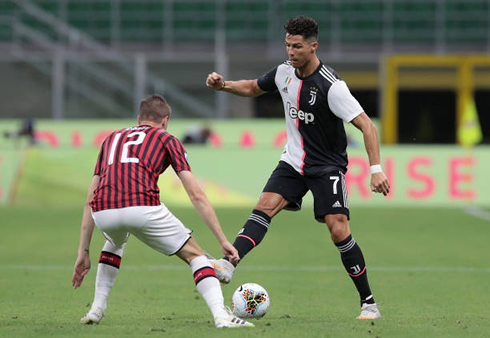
(231, 321)
(222, 268)
(94, 316)
(369, 311)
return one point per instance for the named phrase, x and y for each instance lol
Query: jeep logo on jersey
(303, 116)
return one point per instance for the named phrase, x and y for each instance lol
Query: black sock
(355, 266)
(252, 233)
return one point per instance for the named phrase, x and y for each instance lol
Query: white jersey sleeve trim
(342, 103)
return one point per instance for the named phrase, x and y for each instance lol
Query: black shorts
(328, 189)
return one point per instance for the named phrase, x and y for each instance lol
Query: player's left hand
(380, 184)
(82, 267)
(230, 251)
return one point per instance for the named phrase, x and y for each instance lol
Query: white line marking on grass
(371, 268)
(478, 213)
(269, 268)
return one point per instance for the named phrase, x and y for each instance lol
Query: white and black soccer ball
(250, 300)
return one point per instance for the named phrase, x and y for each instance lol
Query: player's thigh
(161, 231)
(286, 182)
(329, 194)
(111, 223)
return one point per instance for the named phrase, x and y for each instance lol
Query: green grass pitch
(428, 270)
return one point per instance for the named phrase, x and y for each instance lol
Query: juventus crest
(313, 92)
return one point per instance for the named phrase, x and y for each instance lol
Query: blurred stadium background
(73, 70)
(420, 68)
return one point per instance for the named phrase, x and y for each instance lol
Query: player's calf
(355, 266)
(252, 233)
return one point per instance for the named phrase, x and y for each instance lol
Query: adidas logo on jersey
(285, 89)
(336, 205)
(299, 114)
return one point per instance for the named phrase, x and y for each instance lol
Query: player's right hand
(230, 251)
(82, 267)
(214, 81)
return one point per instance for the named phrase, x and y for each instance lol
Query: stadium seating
(375, 22)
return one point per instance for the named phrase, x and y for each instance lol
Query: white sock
(208, 286)
(106, 275)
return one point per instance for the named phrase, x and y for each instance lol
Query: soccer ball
(250, 300)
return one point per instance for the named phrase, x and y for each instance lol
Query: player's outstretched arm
(247, 88)
(206, 211)
(379, 181)
(82, 264)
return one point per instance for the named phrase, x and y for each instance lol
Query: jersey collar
(314, 72)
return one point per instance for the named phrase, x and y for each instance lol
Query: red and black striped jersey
(129, 165)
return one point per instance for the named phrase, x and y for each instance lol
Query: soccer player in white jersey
(316, 103)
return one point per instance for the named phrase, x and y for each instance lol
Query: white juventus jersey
(315, 107)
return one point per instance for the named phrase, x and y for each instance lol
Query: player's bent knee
(339, 235)
(190, 251)
(271, 203)
(338, 225)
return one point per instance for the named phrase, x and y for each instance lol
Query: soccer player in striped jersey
(123, 199)
(316, 104)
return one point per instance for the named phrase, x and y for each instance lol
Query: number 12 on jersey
(124, 153)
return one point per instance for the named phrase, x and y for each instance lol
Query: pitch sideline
(478, 212)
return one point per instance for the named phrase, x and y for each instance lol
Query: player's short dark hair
(304, 26)
(154, 108)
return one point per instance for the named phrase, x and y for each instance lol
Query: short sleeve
(342, 103)
(100, 159)
(267, 81)
(178, 155)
